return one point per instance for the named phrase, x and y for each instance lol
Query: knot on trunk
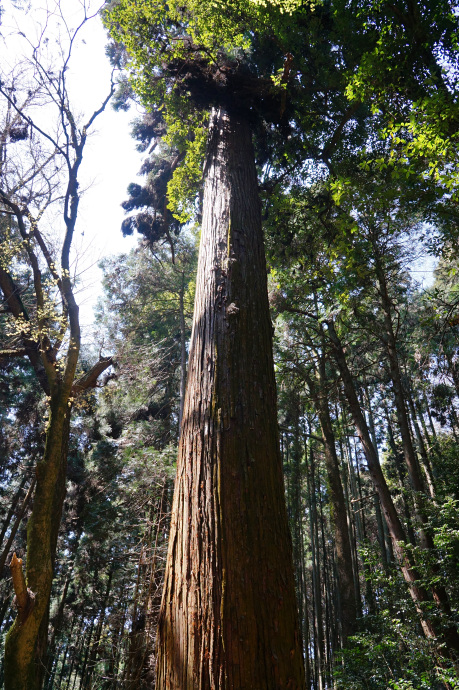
(232, 310)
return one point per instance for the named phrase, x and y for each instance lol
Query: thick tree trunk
(228, 616)
(182, 350)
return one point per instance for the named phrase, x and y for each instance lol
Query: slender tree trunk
(92, 661)
(51, 671)
(50, 683)
(117, 646)
(228, 615)
(381, 533)
(453, 422)
(25, 645)
(452, 370)
(409, 453)
(401, 473)
(339, 520)
(305, 612)
(57, 623)
(355, 500)
(66, 652)
(345, 462)
(16, 524)
(422, 449)
(411, 459)
(4, 608)
(429, 416)
(87, 649)
(326, 590)
(58, 620)
(76, 650)
(385, 547)
(152, 599)
(418, 594)
(360, 510)
(316, 579)
(11, 511)
(430, 438)
(294, 501)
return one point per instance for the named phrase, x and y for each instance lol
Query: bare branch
(100, 110)
(11, 353)
(30, 121)
(89, 380)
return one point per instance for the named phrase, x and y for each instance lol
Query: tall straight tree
(229, 611)
(228, 615)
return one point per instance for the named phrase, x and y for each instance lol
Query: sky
(110, 159)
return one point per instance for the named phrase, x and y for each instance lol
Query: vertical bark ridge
(228, 616)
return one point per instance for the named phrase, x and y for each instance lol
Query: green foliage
(215, 27)
(155, 34)
(408, 73)
(389, 655)
(330, 247)
(389, 651)
(142, 321)
(181, 189)
(184, 59)
(446, 464)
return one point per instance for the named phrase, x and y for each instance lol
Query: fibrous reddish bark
(228, 616)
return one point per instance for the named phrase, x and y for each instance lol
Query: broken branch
(89, 380)
(25, 598)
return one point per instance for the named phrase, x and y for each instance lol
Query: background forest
(354, 114)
